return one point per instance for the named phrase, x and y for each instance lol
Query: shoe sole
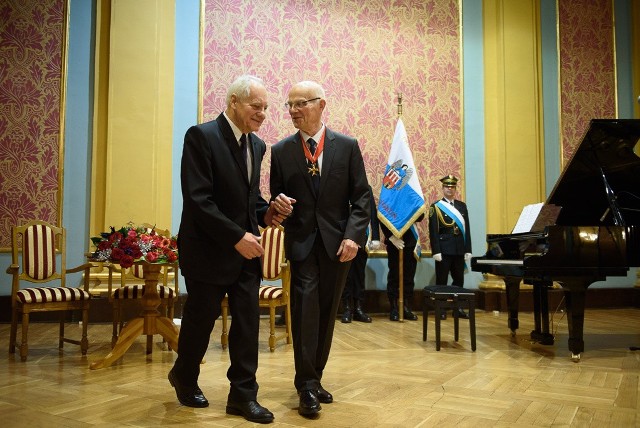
(309, 412)
(237, 412)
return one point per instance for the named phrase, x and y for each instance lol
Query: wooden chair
(124, 294)
(38, 242)
(274, 267)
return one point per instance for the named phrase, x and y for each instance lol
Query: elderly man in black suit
(319, 178)
(220, 247)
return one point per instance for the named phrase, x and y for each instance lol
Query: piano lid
(601, 183)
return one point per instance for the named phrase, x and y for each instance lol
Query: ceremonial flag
(401, 199)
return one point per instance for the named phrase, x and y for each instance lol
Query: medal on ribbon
(312, 159)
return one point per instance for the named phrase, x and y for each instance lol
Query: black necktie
(243, 148)
(315, 178)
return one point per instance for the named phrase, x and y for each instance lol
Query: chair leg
(472, 324)
(272, 328)
(287, 320)
(61, 333)
(84, 342)
(170, 313)
(24, 347)
(438, 318)
(14, 331)
(224, 337)
(149, 344)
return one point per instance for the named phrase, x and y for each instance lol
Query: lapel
(328, 153)
(232, 145)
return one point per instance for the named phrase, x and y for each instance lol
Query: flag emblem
(397, 176)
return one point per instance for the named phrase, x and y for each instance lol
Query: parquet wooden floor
(381, 375)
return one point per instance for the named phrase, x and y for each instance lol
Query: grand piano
(593, 232)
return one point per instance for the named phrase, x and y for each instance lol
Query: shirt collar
(316, 137)
(236, 131)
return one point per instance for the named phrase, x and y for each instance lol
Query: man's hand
(249, 246)
(272, 217)
(348, 250)
(283, 204)
(397, 242)
(437, 257)
(467, 257)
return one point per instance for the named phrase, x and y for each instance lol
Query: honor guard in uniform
(449, 234)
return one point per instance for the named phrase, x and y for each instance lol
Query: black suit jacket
(341, 209)
(441, 236)
(219, 202)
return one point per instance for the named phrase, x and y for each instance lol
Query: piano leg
(575, 299)
(513, 302)
(541, 313)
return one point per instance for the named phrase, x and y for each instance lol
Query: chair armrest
(13, 269)
(82, 267)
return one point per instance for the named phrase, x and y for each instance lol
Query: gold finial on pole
(399, 104)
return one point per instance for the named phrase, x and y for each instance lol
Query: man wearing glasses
(319, 178)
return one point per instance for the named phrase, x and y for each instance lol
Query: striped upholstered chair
(34, 260)
(274, 267)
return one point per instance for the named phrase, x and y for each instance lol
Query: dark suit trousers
(450, 264)
(200, 312)
(354, 288)
(316, 288)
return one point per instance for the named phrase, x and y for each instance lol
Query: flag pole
(400, 251)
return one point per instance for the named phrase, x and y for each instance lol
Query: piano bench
(441, 298)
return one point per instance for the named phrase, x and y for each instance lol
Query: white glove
(437, 257)
(467, 257)
(397, 242)
(374, 245)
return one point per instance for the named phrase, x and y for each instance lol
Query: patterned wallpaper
(363, 53)
(31, 46)
(587, 68)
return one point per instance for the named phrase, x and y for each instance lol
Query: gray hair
(317, 90)
(241, 87)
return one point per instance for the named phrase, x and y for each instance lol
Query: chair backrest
(38, 241)
(273, 244)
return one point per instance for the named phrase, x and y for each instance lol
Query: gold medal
(313, 169)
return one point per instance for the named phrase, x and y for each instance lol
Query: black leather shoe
(309, 403)
(359, 315)
(408, 315)
(187, 396)
(394, 315)
(324, 396)
(250, 410)
(347, 316)
(462, 314)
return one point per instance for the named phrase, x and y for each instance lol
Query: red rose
(126, 261)
(152, 257)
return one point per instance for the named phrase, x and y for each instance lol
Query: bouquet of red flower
(131, 244)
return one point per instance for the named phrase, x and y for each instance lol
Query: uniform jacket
(446, 238)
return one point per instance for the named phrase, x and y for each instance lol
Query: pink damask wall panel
(363, 53)
(587, 69)
(31, 46)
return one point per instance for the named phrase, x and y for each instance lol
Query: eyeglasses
(299, 104)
